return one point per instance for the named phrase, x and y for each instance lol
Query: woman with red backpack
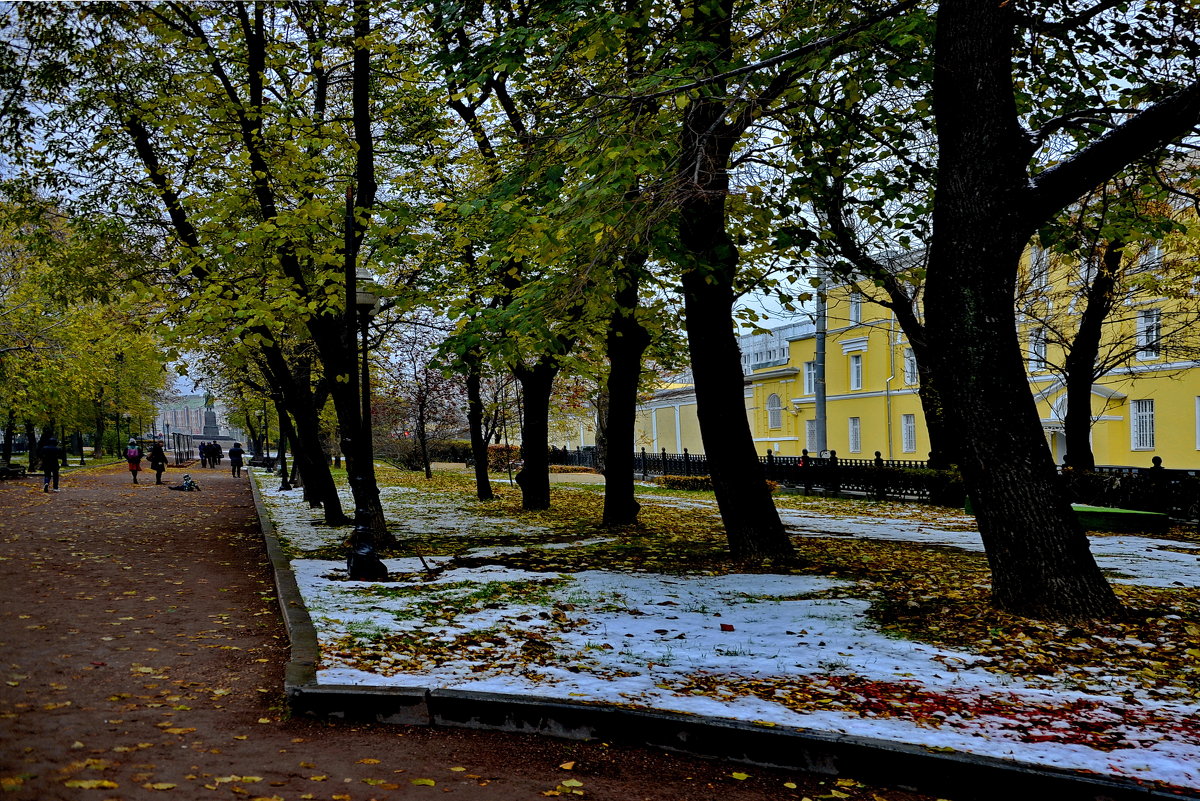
(133, 455)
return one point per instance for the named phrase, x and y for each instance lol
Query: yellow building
(1147, 405)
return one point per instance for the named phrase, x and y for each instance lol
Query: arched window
(774, 412)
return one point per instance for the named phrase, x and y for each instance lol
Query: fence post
(805, 472)
(643, 464)
(664, 461)
(770, 465)
(687, 463)
(835, 481)
(879, 482)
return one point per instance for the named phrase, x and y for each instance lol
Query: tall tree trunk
(1080, 363)
(10, 429)
(537, 383)
(297, 399)
(479, 440)
(423, 435)
(751, 520)
(1039, 556)
(627, 342)
(31, 440)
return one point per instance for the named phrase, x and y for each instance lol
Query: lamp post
(363, 563)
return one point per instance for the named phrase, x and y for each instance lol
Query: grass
(933, 594)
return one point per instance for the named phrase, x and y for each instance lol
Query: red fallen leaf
(100, 664)
(726, 627)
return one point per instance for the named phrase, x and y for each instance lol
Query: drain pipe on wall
(887, 385)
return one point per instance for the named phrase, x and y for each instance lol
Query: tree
(994, 189)
(1122, 250)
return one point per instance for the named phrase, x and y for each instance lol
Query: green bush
(694, 483)
(502, 457)
(566, 468)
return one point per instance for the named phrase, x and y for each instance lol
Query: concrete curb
(956, 775)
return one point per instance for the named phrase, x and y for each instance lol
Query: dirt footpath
(142, 657)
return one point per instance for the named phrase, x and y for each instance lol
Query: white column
(678, 431)
(654, 428)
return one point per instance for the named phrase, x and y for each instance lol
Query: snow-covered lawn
(782, 650)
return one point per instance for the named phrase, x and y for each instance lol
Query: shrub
(695, 483)
(566, 468)
(502, 457)
(449, 450)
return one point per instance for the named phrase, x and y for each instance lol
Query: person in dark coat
(235, 459)
(133, 457)
(216, 454)
(203, 450)
(52, 454)
(158, 461)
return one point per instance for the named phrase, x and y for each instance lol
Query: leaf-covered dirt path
(142, 657)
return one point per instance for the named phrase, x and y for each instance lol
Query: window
(910, 367)
(1037, 349)
(908, 433)
(1141, 425)
(810, 435)
(1149, 332)
(1151, 258)
(856, 301)
(855, 435)
(810, 378)
(1039, 268)
(856, 372)
(774, 412)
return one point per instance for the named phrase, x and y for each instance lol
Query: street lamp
(363, 563)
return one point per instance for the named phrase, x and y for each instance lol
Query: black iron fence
(1151, 489)
(1155, 488)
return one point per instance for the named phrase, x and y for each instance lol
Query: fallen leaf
(567, 765)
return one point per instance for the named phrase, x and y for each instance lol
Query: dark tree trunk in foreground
(537, 383)
(298, 400)
(1081, 360)
(10, 428)
(627, 342)
(479, 443)
(32, 443)
(986, 208)
(751, 520)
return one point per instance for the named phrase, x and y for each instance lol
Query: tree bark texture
(627, 342)
(1040, 559)
(537, 383)
(751, 520)
(479, 441)
(1080, 363)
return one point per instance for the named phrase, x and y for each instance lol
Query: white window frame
(1037, 349)
(774, 411)
(1141, 424)
(908, 433)
(854, 434)
(1149, 334)
(810, 378)
(911, 375)
(1150, 258)
(1039, 268)
(856, 371)
(856, 308)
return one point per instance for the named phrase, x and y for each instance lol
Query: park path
(142, 655)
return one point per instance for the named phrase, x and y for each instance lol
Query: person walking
(52, 454)
(134, 456)
(217, 454)
(203, 454)
(235, 459)
(158, 461)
